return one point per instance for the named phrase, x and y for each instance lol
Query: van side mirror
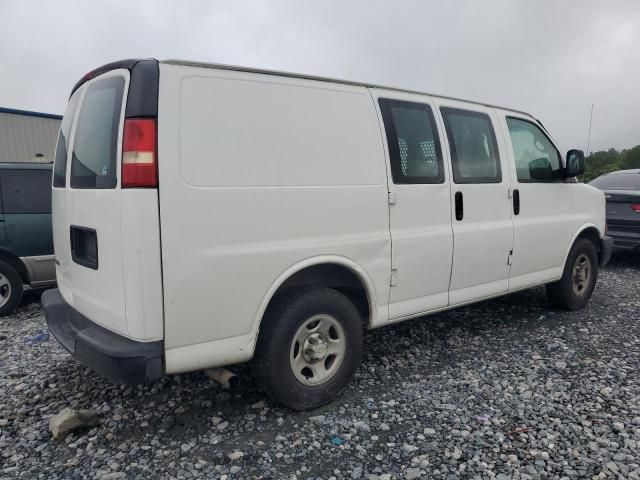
(576, 164)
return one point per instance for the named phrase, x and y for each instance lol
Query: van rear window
(60, 161)
(95, 146)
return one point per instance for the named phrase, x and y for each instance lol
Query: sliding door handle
(516, 202)
(459, 206)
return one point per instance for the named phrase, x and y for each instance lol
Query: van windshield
(95, 145)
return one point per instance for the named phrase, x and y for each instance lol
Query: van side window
(474, 149)
(26, 191)
(537, 160)
(414, 146)
(95, 146)
(60, 159)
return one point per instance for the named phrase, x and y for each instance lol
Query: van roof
(333, 80)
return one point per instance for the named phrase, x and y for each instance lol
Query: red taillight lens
(139, 159)
(636, 208)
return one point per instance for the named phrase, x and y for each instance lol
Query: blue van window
(26, 191)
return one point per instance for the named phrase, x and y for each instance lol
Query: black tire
(289, 313)
(562, 294)
(14, 289)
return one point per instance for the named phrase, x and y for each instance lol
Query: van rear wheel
(10, 288)
(574, 289)
(309, 347)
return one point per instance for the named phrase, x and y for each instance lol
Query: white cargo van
(206, 215)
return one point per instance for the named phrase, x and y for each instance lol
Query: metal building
(27, 136)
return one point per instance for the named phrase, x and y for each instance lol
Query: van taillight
(636, 208)
(139, 157)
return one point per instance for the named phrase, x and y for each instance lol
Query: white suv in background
(207, 215)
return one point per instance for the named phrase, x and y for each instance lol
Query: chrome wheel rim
(317, 350)
(581, 274)
(5, 290)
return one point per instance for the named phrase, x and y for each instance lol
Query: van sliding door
(481, 213)
(419, 210)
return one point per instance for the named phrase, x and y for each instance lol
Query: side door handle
(459, 206)
(516, 202)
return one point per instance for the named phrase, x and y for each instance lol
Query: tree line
(599, 163)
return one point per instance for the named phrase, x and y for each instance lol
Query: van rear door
(420, 215)
(88, 246)
(106, 237)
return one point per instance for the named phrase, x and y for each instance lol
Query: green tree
(631, 158)
(599, 163)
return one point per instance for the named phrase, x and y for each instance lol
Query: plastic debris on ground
(37, 338)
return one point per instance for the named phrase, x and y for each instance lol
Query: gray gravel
(505, 389)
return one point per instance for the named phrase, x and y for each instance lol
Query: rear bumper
(114, 356)
(606, 243)
(623, 240)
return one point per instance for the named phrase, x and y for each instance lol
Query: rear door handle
(459, 206)
(516, 202)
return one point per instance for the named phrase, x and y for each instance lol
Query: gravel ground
(504, 389)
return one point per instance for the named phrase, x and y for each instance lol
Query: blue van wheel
(11, 289)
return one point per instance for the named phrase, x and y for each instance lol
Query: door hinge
(392, 198)
(510, 257)
(394, 277)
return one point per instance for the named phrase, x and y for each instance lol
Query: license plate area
(84, 246)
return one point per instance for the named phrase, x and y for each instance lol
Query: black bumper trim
(606, 243)
(624, 241)
(114, 356)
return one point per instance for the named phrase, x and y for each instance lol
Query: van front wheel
(309, 347)
(574, 289)
(10, 288)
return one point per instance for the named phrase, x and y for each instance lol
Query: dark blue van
(26, 240)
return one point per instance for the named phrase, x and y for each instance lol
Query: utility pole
(589, 136)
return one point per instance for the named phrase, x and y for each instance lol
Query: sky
(553, 59)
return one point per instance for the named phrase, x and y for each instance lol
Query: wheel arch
(332, 271)
(15, 262)
(589, 231)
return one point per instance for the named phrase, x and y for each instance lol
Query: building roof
(29, 113)
(27, 136)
